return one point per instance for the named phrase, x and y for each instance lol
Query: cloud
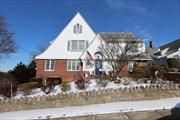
(135, 5)
(140, 31)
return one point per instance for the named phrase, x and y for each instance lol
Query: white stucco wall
(58, 48)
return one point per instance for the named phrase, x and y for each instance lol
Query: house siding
(59, 70)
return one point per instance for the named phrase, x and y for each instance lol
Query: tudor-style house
(78, 41)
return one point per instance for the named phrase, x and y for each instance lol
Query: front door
(98, 67)
(98, 64)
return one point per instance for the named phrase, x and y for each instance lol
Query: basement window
(49, 65)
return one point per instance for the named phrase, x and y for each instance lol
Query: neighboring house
(78, 40)
(150, 52)
(169, 50)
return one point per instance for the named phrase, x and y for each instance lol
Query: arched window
(77, 28)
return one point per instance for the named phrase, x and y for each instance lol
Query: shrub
(148, 72)
(104, 78)
(52, 81)
(5, 84)
(173, 63)
(140, 72)
(160, 69)
(102, 82)
(23, 73)
(80, 84)
(65, 86)
(29, 85)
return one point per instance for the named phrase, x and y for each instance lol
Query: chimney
(151, 45)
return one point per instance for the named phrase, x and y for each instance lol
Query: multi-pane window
(77, 28)
(49, 65)
(77, 45)
(74, 45)
(73, 65)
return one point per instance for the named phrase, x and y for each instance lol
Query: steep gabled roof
(118, 36)
(173, 46)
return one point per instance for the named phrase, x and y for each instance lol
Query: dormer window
(77, 29)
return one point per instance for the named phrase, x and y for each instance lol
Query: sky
(37, 22)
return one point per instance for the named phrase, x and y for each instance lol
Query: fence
(92, 97)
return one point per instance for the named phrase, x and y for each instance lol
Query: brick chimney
(151, 45)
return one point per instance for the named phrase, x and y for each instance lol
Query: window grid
(49, 65)
(77, 28)
(77, 45)
(73, 65)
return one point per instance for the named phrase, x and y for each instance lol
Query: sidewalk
(93, 109)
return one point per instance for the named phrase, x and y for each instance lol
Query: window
(49, 65)
(77, 45)
(77, 28)
(73, 65)
(74, 45)
(130, 66)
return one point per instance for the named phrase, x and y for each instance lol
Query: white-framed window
(49, 65)
(77, 29)
(77, 45)
(73, 65)
(130, 66)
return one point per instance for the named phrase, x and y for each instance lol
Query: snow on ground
(93, 84)
(2, 97)
(36, 92)
(73, 87)
(93, 109)
(19, 94)
(56, 90)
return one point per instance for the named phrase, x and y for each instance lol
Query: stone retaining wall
(92, 97)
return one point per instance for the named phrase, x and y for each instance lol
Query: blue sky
(37, 22)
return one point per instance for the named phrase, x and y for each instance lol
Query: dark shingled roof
(118, 36)
(173, 46)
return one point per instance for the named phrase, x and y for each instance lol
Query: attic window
(77, 29)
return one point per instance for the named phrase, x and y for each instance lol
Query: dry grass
(29, 85)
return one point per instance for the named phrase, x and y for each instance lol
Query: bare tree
(7, 44)
(117, 53)
(39, 50)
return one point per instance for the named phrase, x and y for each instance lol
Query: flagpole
(87, 47)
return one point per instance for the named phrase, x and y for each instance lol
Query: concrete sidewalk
(173, 114)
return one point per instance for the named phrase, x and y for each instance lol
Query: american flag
(89, 56)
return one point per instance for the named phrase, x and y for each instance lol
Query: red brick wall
(60, 70)
(125, 72)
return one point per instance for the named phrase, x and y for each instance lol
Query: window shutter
(74, 29)
(87, 44)
(68, 45)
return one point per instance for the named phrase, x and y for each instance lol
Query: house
(78, 40)
(150, 52)
(169, 50)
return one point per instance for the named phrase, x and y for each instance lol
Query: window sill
(72, 70)
(75, 50)
(49, 70)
